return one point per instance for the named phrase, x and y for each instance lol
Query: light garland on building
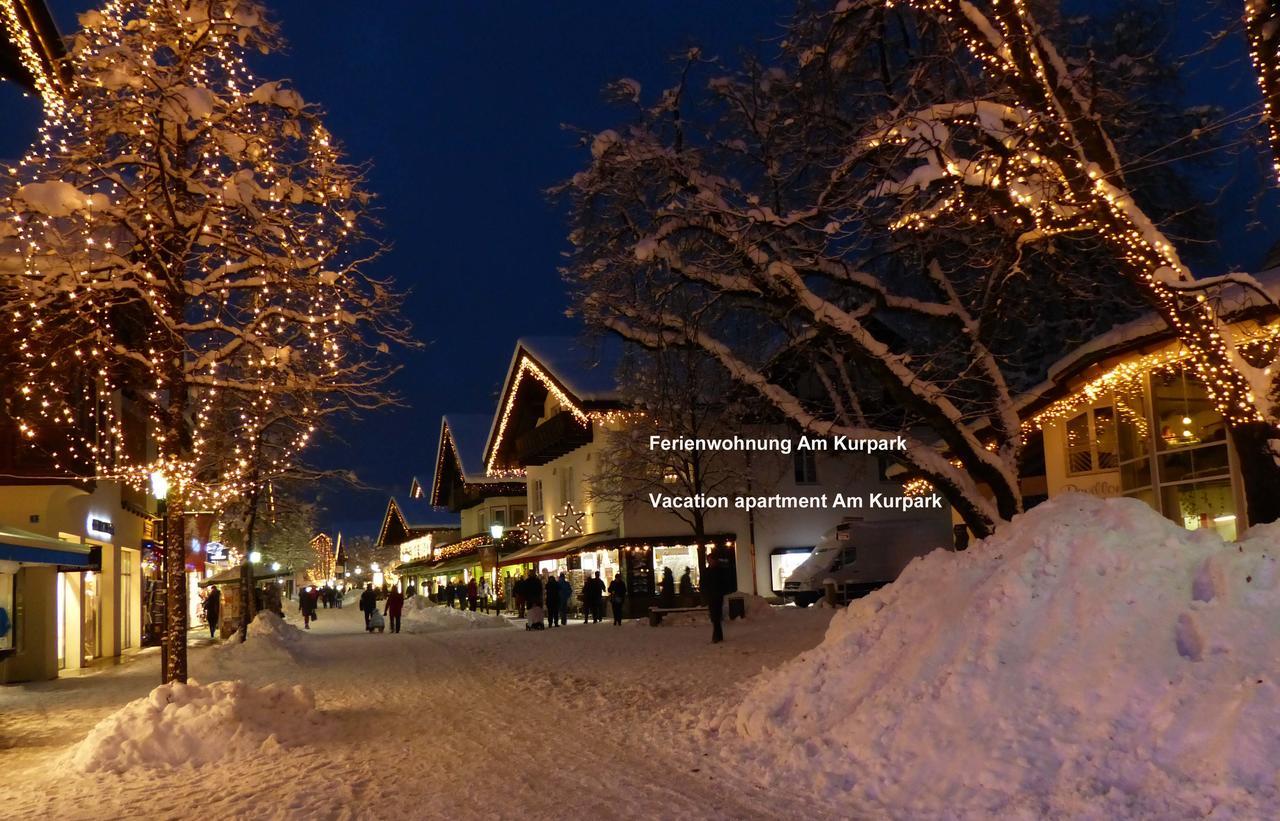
(570, 521)
(461, 548)
(1127, 375)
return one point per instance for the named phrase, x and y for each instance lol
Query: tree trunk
(246, 567)
(175, 581)
(1259, 470)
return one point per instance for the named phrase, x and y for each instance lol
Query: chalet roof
(413, 517)
(583, 374)
(1146, 331)
(467, 432)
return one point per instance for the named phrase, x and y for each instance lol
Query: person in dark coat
(617, 594)
(517, 592)
(592, 598)
(368, 603)
(473, 593)
(213, 611)
(532, 589)
(450, 593)
(715, 585)
(667, 588)
(686, 583)
(307, 601)
(393, 608)
(552, 592)
(566, 595)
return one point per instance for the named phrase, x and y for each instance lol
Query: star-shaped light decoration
(537, 527)
(570, 521)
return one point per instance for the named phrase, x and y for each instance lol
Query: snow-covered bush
(197, 724)
(1091, 659)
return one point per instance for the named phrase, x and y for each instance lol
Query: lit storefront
(1134, 419)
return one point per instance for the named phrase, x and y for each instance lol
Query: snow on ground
(421, 616)
(178, 724)
(1092, 660)
(590, 721)
(269, 638)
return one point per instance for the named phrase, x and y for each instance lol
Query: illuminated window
(1091, 441)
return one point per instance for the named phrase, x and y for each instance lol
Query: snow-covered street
(584, 721)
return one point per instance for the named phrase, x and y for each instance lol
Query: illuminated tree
(1262, 26)
(194, 242)
(1037, 144)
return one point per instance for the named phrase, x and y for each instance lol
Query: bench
(656, 613)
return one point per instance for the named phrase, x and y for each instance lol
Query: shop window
(1091, 441)
(1185, 415)
(1202, 505)
(806, 467)
(678, 558)
(783, 562)
(9, 616)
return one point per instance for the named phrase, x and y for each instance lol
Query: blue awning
(33, 548)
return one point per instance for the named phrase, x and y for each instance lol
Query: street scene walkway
(590, 721)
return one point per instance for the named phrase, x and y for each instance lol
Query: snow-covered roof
(1148, 329)
(413, 517)
(583, 375)
(468, 432)
(588, 370)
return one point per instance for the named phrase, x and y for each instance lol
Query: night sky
(459, 106)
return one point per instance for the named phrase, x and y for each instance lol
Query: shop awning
(450, 566)
(23, 546)
(555, 549)
(232, 576)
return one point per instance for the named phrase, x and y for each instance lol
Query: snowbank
(269, 638)
(758, 607)
(1090, 660)
(421, 616)
(197, 724)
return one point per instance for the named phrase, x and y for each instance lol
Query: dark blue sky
(459, 106)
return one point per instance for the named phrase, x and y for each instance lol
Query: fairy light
(39, 64)
(1053, 185)
(1262, 26)
(262, 301)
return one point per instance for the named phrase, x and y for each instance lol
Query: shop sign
(216, 552)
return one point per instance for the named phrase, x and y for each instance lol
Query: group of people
(548, 597)
(392, 608)
(474, 595)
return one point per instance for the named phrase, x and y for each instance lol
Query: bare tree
(675, 394)
(192, 236)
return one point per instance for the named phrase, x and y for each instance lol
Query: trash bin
(737, 607)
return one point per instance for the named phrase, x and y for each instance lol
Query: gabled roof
(582, 375)
(411, 518)
(460, 462)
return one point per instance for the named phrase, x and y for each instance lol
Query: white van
(860, 556)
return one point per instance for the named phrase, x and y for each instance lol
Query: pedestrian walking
(450, 593)
(715, 585)
(393, 608)
(518, 591)
(485, 593)
(533, 593)
(667, 589)
(213, 611)
(686, 583)
(552, 588)
(617, 595)
(307, 601)
(566, 594)
(593, 599)
(473, 593)
(368, 603)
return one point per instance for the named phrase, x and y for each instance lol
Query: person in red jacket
(393, 608)
(473, 593)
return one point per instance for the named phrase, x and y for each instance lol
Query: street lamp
(496, 531)
(275, 566)
(255, 557)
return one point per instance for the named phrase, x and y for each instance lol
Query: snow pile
(268, 638)
(758, 607)
(197, 724)
(421, 616)
(1092, 659)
